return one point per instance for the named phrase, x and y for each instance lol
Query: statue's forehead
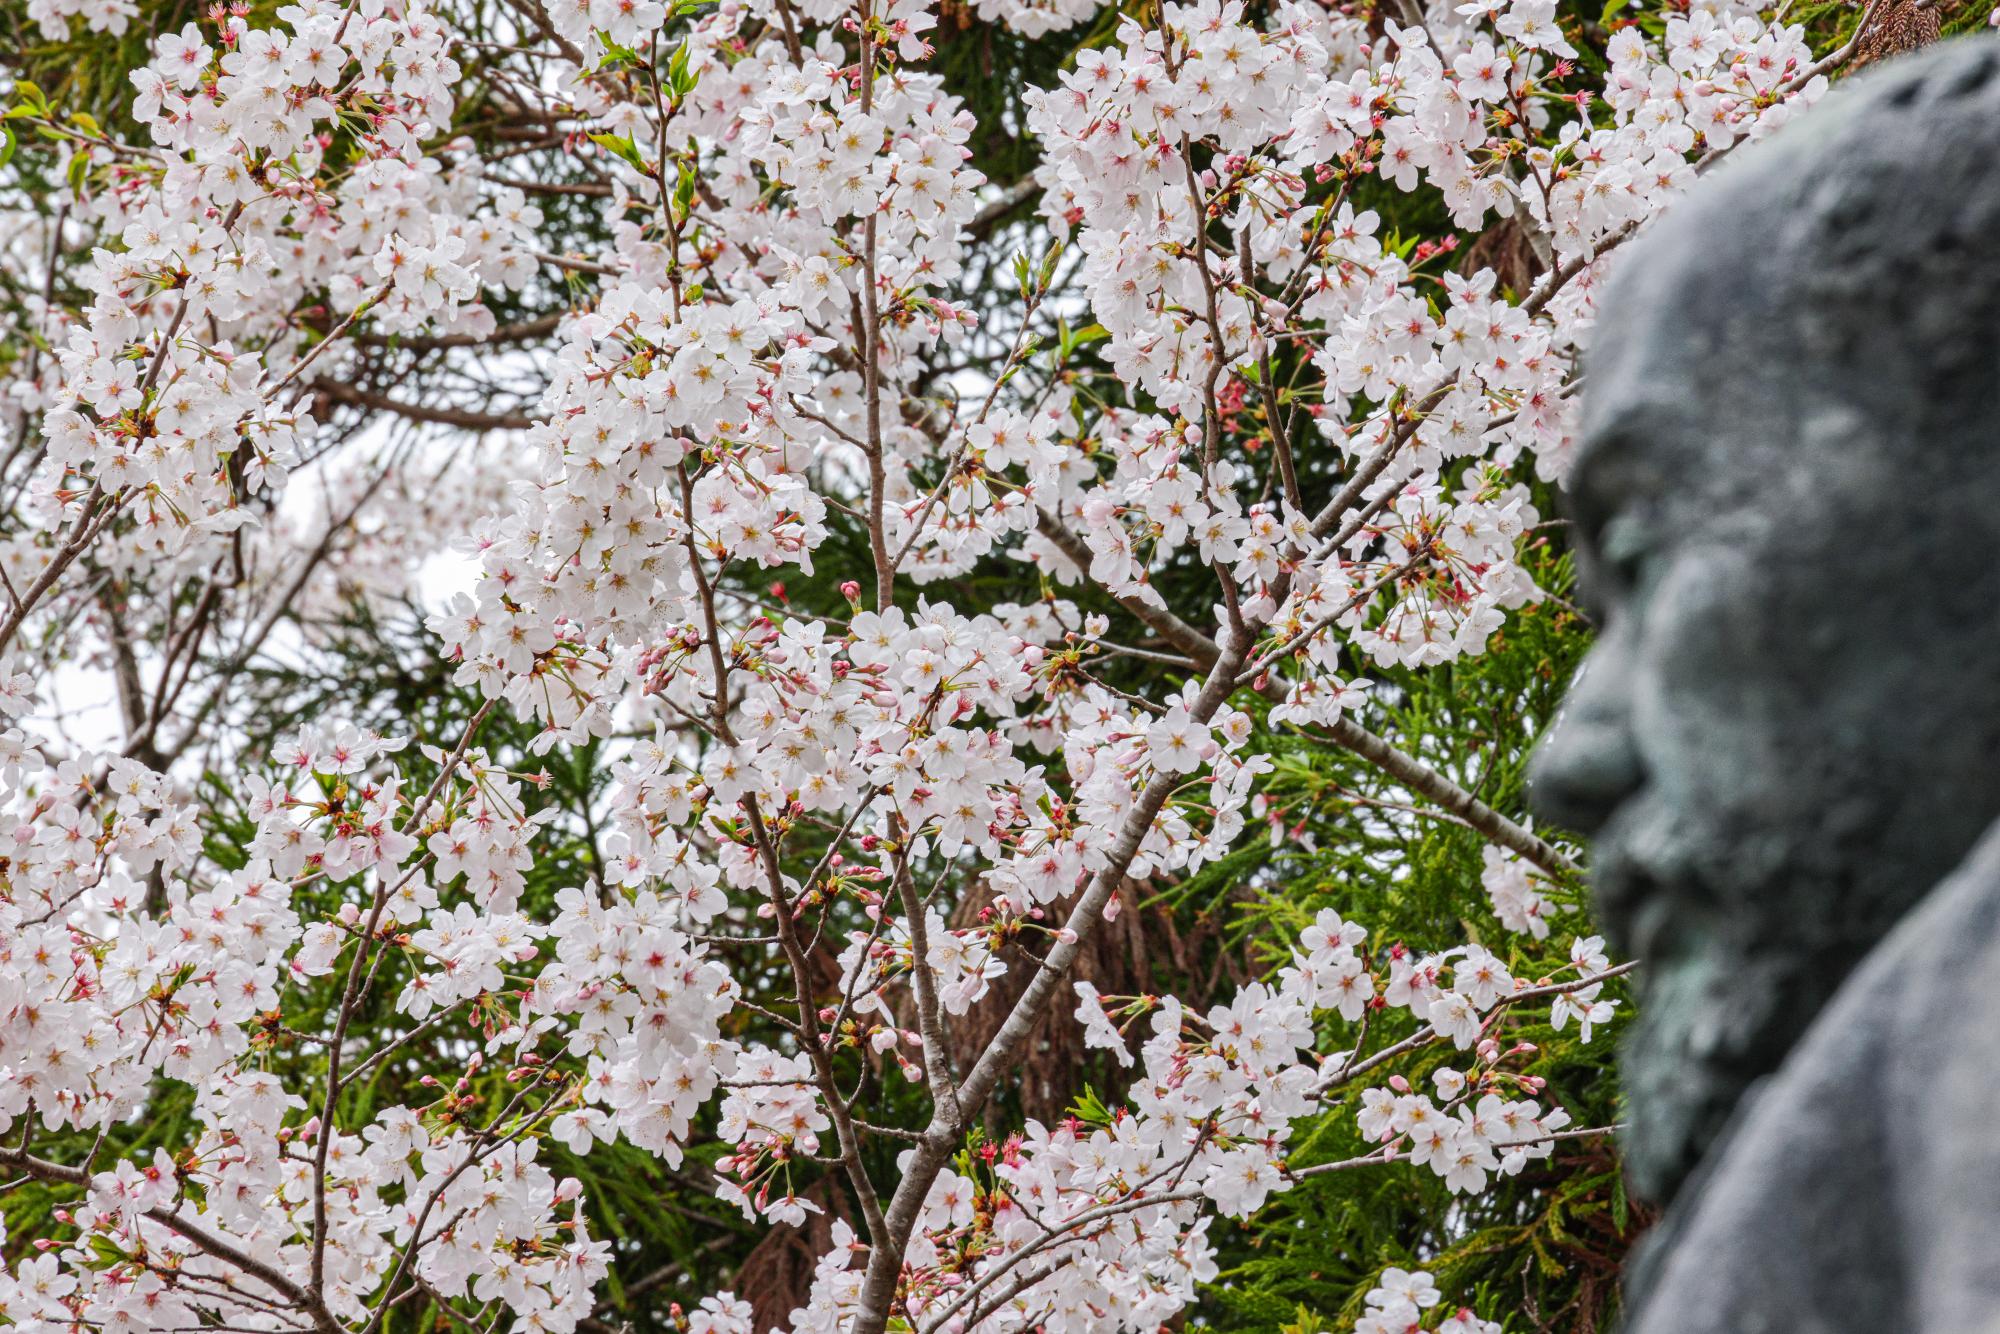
(1636, 400)
(1669, 365)
(1653, 435)
(1677, 297)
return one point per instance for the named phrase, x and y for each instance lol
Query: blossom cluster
(1112, 1216)
(286, 159)
(118, 972)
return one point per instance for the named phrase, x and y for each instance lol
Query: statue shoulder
(1918, 981)
(1926, 1001)
(1939, 1085)
(1955, 932)
(1874, 1147)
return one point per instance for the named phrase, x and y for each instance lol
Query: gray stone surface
(1788, 735)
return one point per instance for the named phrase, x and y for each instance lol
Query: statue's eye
(1623, 548)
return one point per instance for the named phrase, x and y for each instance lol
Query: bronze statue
(1786, 744)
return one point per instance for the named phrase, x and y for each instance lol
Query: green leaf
(680, 81)
(622, 147)
(1048, 271)
(684, 190)
(1072, 339)
(616, 54)
(1090, 1108)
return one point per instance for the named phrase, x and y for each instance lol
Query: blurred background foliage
(1541, 1251)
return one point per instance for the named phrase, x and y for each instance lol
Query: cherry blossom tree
(864, 582)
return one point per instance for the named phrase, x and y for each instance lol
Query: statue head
(1786, 506)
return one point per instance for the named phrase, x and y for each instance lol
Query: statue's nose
(1587, 764)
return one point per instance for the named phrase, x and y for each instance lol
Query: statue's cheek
(1715, 690)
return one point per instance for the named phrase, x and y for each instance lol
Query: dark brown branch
(355, 396)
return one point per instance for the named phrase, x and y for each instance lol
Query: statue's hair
(1882, 208)
(1860, 243)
